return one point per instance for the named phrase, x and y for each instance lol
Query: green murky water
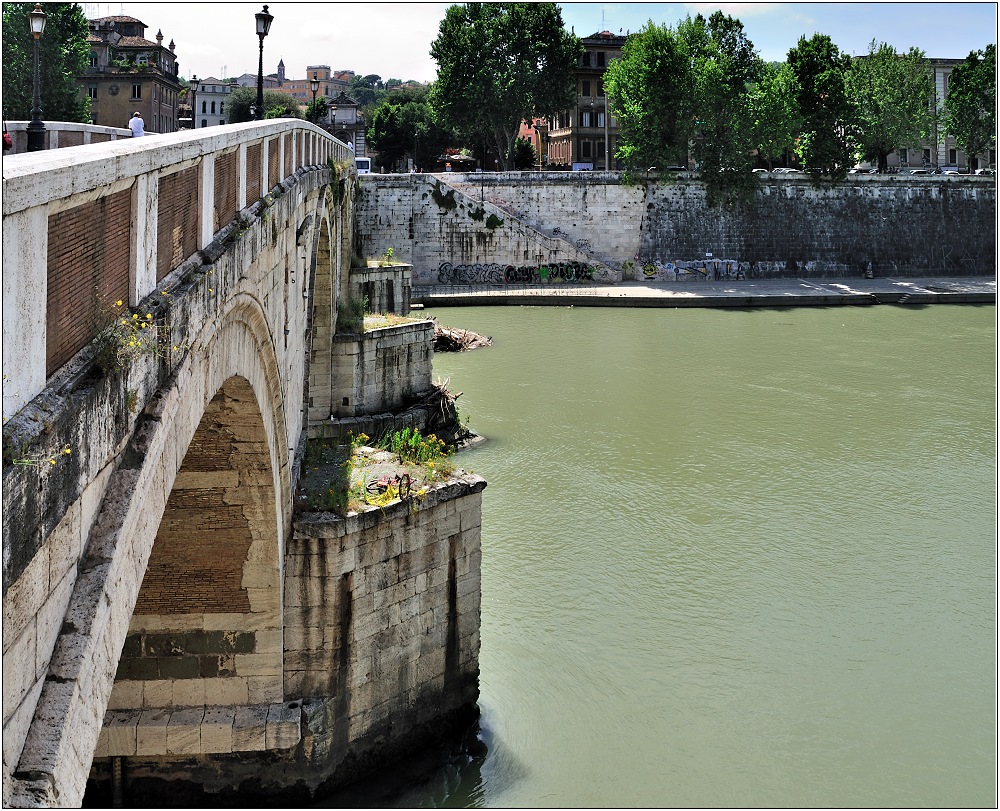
(730, 558)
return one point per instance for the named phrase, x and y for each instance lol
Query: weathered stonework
(382, 614)
(381, 369)
(902, 225)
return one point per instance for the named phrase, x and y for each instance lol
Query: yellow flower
(118, 303)
(135, 316)
(52, 461)
(124, 322)
(163, 292)
(131, 343)
(149, 317)
(66, 450)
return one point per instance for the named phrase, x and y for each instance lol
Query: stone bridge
(219, 256)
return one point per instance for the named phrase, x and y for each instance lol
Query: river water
(730, 558)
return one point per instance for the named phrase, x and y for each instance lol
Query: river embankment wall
(597, 226)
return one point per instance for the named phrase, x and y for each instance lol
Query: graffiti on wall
(710, 270)
(495, 273)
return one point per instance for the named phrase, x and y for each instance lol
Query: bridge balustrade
(87, 226)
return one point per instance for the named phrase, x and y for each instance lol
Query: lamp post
(36, 127)
(314, 86)
(263, 26)
(195, 81)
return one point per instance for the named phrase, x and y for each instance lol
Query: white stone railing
(62, 134)
(109, 193)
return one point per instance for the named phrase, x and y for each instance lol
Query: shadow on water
(450, 775)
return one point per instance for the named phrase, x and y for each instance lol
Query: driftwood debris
(447, 339)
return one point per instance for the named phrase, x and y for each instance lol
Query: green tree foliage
(498, 65)
(316, 110)
(276, 105)
(524, 154)
(774, 112)
(403, 125)
(672, 88)
(891, 96)
(820, 70)
(971, 104)
(652, 97)
(63, 54)
(723, 67)
(368, 91)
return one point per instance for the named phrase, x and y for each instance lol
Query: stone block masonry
(895, 225)
(380, 651)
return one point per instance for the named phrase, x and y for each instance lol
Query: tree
(891, 96)
(276, 105)
(724, 66)
(971, 104)
(500, 64)
(823, 145)
(63, 54)
(404, 125)
(524, 154)
(367, 91)
(775, 113)
(317, 109)
(652, 97)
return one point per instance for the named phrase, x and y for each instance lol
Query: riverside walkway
(725, 293)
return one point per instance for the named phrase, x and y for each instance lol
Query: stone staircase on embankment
(553, 240)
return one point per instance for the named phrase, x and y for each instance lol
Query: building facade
(585, 136)
(211, 100)
(345, 123)
(329, 85)
(130, 74)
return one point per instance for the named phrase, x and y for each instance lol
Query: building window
(142, 59)
(904, 159)
(92, 91)
(585, 59)
(600, 119)
(213, 108)
(204, 122)
(137, 91)
(953, 157)
(222, 107)
(600, 90)
(586, 88)
(585, 149)
(204, 107)
(927, 157)
(585, 118)
(600, 59)
(93, 59)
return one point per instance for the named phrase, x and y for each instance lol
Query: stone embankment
(779, 293)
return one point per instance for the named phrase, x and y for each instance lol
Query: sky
(393, 39)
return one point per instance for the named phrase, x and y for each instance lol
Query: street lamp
(195, 81)
(314, 86)
(36, 127)
(263, 26)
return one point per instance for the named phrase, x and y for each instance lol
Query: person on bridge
(137, 125)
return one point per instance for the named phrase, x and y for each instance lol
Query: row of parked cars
(892, 171)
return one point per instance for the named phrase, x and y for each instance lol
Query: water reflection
(452, 775)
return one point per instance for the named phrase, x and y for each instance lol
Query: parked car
(987, 172)
(919, 172)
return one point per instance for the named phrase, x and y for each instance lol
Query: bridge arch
(211, 248)
(328, 244)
